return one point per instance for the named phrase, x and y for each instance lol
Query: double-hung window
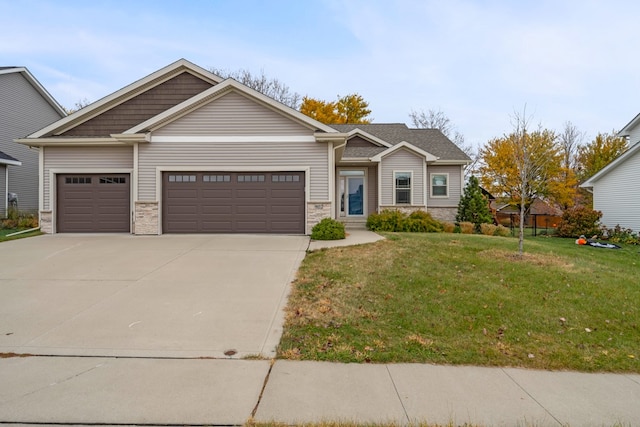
(402, 187)
(439, 185)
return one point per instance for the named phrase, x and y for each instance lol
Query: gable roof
(128, 92)
(626, 130)
(405, 145)
(55, 133)
(216, 91)
(37, 86)
(611, 166)
(6, 159)
(431, 141)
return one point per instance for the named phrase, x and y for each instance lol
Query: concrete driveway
(158, 296)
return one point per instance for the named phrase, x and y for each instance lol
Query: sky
(479, 62)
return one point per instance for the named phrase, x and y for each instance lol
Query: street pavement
(155, 383)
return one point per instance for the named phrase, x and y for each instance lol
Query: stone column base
(46, 222)
(316, 211)
(146, 218)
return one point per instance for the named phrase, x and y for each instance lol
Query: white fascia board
(626, 129)
(10, 162)
(38, 87)
(404, 144)
(371, 138)
(611, 166)
(44, 142)
(232, 138)
(126, 93)
(451, 162)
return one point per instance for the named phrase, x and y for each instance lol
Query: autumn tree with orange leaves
(347, 109)
(523, 166)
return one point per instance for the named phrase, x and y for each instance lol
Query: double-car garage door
(233, 202)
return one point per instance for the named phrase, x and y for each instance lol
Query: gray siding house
(185, 151)
(616, 188)
(25, 106)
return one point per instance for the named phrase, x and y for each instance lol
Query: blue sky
(477, 61)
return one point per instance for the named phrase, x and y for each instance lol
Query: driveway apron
(193, 296)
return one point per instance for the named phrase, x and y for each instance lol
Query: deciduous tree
(346, 109)
(599, 153)
(271, 87)
(522, 166)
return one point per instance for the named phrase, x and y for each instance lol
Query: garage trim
(53, 190)
(161, 169)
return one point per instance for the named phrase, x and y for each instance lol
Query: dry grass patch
(538, 259)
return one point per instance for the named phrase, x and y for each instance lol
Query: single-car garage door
(89, 203)
(239, 202)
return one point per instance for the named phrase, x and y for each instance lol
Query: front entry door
(352, 193)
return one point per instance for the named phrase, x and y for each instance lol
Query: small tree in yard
(473, 206)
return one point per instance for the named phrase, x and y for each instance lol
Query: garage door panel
(215, 193)
(93, 203)
(220, 210)
(225, 202)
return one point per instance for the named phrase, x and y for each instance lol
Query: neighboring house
(541, 214)
(25, 106)
(185, 151)
(616, 187)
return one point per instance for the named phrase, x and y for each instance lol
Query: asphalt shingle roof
(5, 156)
(430, 140)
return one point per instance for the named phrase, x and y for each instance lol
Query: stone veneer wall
(316, 211)
(46, 222)
(444, 214)
(146, 218)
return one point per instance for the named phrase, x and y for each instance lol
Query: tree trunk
(521, 231)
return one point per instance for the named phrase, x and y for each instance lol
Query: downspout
(23, 231)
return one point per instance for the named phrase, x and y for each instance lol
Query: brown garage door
(223, 202)
(89, 203)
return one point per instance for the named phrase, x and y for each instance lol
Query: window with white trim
(439, 185)
(402, 188)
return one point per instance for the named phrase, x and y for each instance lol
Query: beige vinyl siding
(233, 114)
(83, 158)
(22, 111)
(234, 155)
(402, 161)
(372, 189)
(455, 186)
(617, 195)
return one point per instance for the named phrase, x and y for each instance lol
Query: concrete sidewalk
(300, 392)
(126, 391)
(354, 237)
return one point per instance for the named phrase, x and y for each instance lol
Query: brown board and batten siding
(402, 161)
(455, 186)
(142, 107)
(234, 115)
(70, 159)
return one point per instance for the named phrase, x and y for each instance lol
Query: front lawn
(468, 299)
(4, 232)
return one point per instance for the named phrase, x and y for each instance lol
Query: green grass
(5, 231)
(468, 299)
